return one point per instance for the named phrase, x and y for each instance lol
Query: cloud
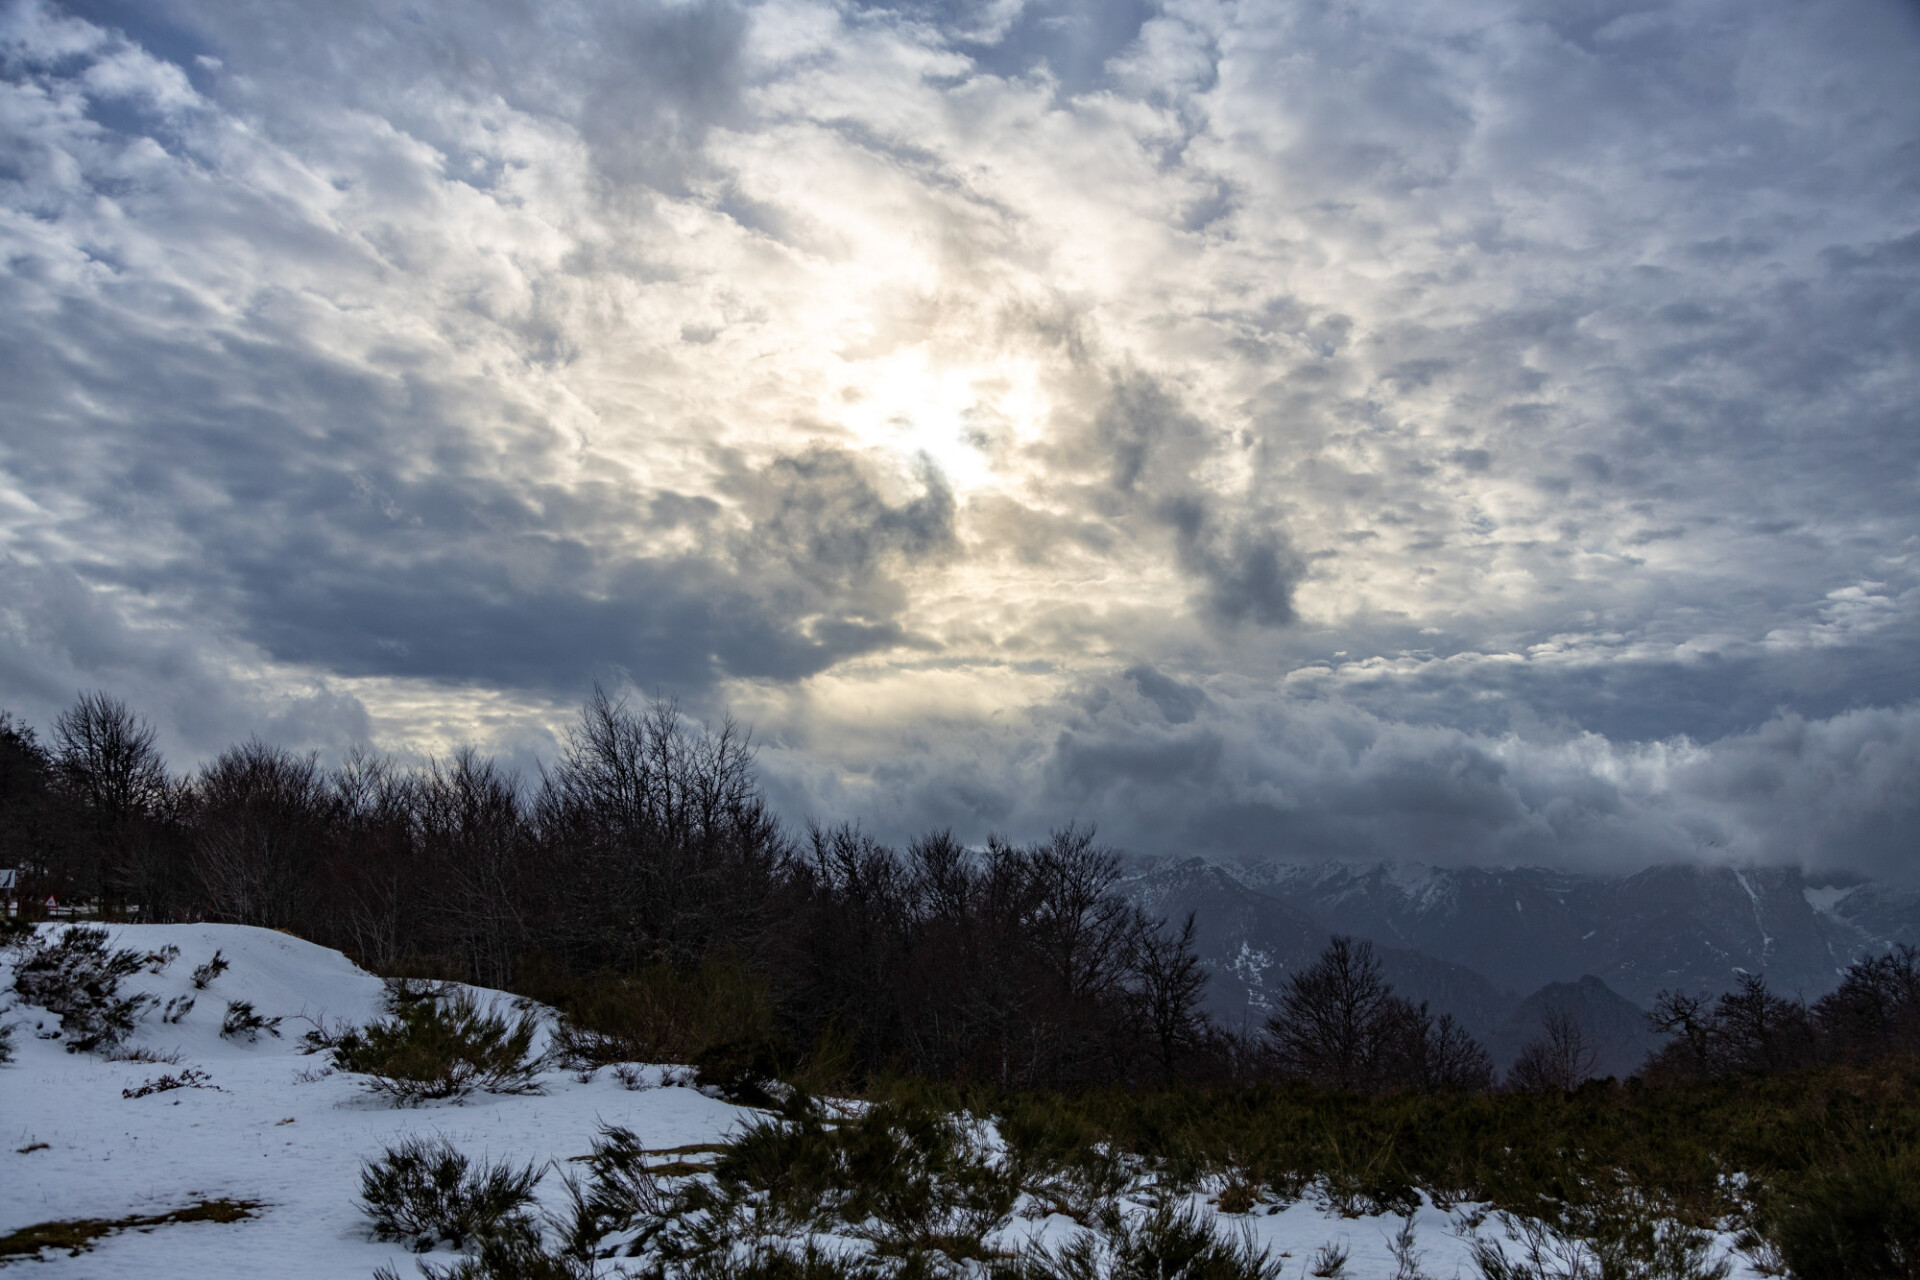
(1309, 777)
(60, 637)
(822, 514)
(1382, 429)
(1177, 703)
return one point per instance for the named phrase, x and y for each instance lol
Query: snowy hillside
(264, 1128)
(263, 1123)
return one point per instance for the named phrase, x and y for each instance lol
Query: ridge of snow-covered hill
(269, 1126)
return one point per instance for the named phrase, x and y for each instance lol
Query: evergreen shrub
(425, 1192)
(242, 1023)
(436, 1042)
(78, 977)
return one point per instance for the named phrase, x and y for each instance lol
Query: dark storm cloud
(820, 512)
(491, 595)
(1177, 702)
(58, 636)
(682, 624)
(1249, 572)
(1228, 543)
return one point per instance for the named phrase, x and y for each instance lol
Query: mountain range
(1499, 948)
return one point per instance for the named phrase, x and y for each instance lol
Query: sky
(1471, 432)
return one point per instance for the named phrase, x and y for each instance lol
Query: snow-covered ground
(272, 1128)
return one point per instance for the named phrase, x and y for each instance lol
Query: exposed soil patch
(78, 1235)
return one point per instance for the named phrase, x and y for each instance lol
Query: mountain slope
(1251, 941)
(1693, 928)
(1617, 1027)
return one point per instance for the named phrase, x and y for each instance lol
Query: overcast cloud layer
(1467, 432)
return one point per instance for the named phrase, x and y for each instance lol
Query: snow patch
(1827, 897)
(1759, 922)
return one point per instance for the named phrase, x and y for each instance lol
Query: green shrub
(242, 1023)
(205, 973)
(620, 1197)
(1608, 1182)
(1172, 1242)
(1855, 1215)
(745, 1072)
(622, 1194)
(1329, 1262)
(436, 1043)
(1617, 1233)
(78, 977)
(809, 1262)
(1067, 1164)
(1363, 1178)
(907, 1177)
(509, 1258)
(1710, 1151)
(906, 1174)
(425, 1191)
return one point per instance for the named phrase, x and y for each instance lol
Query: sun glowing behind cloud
(968, 419)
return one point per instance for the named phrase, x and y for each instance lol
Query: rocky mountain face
(1884, 913)
(1501, 948)
(1251, 941)
(1248, 940)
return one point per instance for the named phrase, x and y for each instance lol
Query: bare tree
(1876, 1008)
(107, 766)
(375, 877)
(1330, 1022)
(658, 832)
(1170, 983)
(106, 757)
(260, 825)
(1688, 1019)
(1018, 963)
(1761, 1031)
(1454, 1060)
(1746, 1029)
(1559, 1059)
(476, 843)
(1079, 924)
(1428, 1054)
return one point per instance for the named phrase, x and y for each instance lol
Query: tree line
(645, 848)
(645, 855)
